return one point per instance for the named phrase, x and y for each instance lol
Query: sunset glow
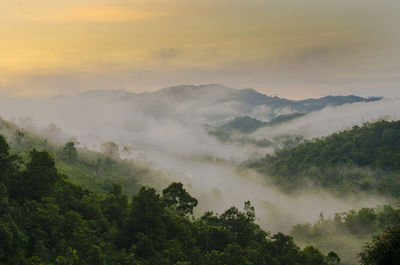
(294, 49)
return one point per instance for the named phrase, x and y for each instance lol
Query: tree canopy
(46, 219)
(364, 158)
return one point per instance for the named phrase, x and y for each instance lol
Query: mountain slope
(90, 169)
(248, 124)
(337, 100)
(363, 158)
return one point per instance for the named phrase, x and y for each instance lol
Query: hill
(89, 169)
(364, 158)
(244, 124)
(46, 219)
(248, 124)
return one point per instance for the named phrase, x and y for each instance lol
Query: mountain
(248, 124)
(214, 102)
(244, 124)
(155, 120)
(337, 100)
(284, 118)
(364, 158)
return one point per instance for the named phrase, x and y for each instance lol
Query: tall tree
(176, 196)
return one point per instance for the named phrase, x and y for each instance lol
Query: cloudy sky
(289, 48)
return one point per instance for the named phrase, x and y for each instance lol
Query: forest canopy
(364, 158)
(46, 219)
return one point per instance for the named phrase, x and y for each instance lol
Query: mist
(333, 119)
(166, 130)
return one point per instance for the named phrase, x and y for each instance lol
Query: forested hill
(363, 158)
(87, 168)
(45, 219)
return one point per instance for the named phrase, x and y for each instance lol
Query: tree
(383, 250)
(69, 151)
(110, 149)
(115, 205)
(40, 175)
(12, 240)
(176, 196)
(19, 136)
(70, 258)
(313, 256)
(332, 259)
(146, 214)
(4, 158)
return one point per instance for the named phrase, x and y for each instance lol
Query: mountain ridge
(249, 92)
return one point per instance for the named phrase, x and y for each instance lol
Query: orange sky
(289, 48)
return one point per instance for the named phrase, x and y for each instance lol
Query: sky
(289, 48)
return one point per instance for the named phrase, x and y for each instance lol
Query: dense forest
(364, 158)
(49, 217)
(46, 219)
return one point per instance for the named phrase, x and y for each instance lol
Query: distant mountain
(284, 118)
(215, 103)
(250, 98)
(153, 120)
(248, 124)
(337, 100)
(244, 124)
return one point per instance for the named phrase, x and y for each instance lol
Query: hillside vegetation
(87, 168)
(347, 232)
(364, 158)
(46, 219)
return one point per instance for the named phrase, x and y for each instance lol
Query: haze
(167, 131)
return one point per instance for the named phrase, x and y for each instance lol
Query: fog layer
(166, 129)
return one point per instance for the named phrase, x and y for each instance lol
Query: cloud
(319, 53)
(333, 119)
(169, 53)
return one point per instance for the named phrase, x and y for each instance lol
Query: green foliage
(4, 158)
(45, 219)
(69, 152)
(40, 175)
(364, 222)
(361, 159)
(346, 232)
(175, 195)
(19, 136)
(384, 249)
(89, 169)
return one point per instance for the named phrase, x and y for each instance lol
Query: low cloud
(169, 53)
(166, 129)
(333, 119)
